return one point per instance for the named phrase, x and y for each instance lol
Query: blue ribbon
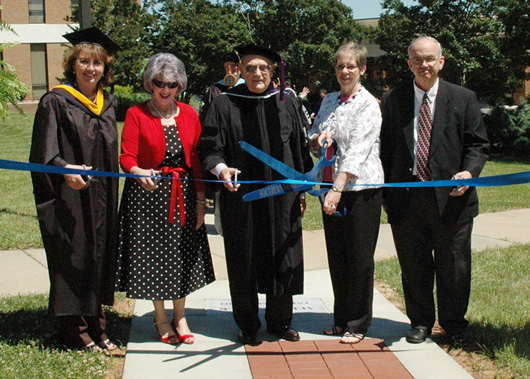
(305, 180)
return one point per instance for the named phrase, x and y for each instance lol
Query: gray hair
(166, 67)
(409, 49)
(357, 51)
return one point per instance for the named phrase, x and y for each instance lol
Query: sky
(368, 8)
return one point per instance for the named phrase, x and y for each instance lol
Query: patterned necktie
(424, 141)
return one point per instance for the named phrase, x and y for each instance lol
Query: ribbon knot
(177, 173)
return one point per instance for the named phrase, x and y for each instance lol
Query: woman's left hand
(331, 201)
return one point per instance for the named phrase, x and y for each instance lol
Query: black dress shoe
(287, 333)
(417, 335)
(247, 338)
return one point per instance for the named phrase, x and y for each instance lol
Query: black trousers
(243, 283)
(419, 233)
(245, 305)
(350, 242)
(78, 331)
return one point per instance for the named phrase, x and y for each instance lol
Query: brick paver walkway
(370, 358)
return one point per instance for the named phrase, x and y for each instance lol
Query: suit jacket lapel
(407, 107)
(439, 123)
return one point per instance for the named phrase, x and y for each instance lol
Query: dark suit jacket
(458, 142)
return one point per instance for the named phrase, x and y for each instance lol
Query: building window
(36, 11)
(39, 70)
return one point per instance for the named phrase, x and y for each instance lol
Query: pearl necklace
(166, 119)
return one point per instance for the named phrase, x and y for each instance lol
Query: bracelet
(336, 189)
(202, 202)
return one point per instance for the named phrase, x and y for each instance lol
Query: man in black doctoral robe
(262, 238)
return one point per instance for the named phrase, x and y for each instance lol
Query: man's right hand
(226, 175)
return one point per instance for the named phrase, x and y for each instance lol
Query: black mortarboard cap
(92, 35)
(254, 49)
(230, 57)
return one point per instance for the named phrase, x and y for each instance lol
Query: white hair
(167, 67)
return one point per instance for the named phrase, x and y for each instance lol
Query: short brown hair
(94, 50)
(358, 52)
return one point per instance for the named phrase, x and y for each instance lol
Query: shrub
(123, 89)
(127, 100)
(509, 130)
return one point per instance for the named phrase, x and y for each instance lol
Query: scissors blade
(273, 163)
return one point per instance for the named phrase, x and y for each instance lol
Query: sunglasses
(160, 84)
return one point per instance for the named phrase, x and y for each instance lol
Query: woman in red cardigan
(164, 252)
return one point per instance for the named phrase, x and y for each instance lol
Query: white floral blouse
(356, 126)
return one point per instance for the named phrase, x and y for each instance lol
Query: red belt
(176, 186)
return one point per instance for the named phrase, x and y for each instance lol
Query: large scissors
(291, 174)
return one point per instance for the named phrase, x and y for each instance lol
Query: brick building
(40, 25)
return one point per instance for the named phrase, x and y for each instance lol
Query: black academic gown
(78, 227)
(262, 237)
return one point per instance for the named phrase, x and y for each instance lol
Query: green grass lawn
(30, 347)
(499, 309)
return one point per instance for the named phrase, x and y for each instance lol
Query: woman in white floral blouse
(353, 119)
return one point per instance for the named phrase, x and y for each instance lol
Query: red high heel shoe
(169, 339)
(188, 339)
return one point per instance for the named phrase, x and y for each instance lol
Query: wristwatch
(336, 189)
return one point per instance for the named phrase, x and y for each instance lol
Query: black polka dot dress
(160, 260)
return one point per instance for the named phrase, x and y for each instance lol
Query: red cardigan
(143, 143)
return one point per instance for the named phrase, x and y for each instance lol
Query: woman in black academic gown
(75, 127)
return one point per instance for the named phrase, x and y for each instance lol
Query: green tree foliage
(11, 88)
(199, 32)
(127, 24)
(515, 17)
(305, 32)
(485, 41)
(509, 130)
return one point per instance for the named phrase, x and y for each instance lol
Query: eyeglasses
(419, 61)
(252, 69)
(160, 84)
(349, 67)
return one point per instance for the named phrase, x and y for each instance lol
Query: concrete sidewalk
(216, 354)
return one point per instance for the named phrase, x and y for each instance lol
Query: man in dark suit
(432, 130)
